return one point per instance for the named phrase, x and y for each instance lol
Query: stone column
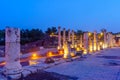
(64, 36)
(13, 67)
(90, 45)
(105, 39)
(113, 41)
(59, 38)
(86, 43)
(95, 41)
(67, 50)
(73, 39)
(69, 35)
(110, 39)
(81, 41)
(98, 44)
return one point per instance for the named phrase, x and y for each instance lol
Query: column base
(13, 70)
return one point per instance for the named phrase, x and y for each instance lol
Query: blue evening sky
(74, 14)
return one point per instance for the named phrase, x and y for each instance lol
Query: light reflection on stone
(33, 62)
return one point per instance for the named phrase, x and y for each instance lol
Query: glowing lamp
(52, 34)
(89, 34)
(50, 54)
(72, 54)
(77, 49)
(85, 51)
(72, 46)
(34, 56)
(3, 63)
(61, 52)
(58, 47)
(101, 34)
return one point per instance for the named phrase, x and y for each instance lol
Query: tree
(31, 35)
(78, 33)
(51, 30)
(2, 37)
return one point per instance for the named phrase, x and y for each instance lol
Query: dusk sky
(74, 14)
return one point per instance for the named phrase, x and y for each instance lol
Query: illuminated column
(73, 39)
(67, 50)
(64, 37)
(13, 67)
(81, 41)
(69, 35)
(59, 38)
(111, 39)
(95, 41)
(85, 43)
(90, 45)
(108, 39)
(105, 39)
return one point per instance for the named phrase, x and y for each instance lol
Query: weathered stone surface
(26, 73)
(12, 35)
(73, 41)
(59, 38)
(95, 41)
(85, 38)
(69, 39)
(64, 36)
(13, 67)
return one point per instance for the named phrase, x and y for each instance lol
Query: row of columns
(86, 42)
(64, 37)
(12, 47)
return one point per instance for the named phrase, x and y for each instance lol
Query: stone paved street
(103, 65)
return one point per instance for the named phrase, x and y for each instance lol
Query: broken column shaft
(73, 43)
(64, 36)
(85, 43)
(59, 38)
(81, 41)
(69, 35)
(95, 40)
(13, 67)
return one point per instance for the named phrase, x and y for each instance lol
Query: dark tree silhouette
(31, 35)
(51, 30)
(2, 37)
